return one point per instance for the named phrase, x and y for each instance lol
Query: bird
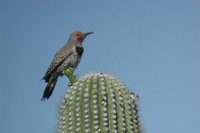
(69, 56)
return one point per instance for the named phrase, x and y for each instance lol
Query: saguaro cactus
(99, 103)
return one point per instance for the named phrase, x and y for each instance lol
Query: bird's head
(79, 36)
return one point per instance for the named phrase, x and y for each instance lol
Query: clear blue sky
(151, 46)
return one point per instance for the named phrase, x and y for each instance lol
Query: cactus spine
(98, 103)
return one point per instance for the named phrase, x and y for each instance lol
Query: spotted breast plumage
(68, 56)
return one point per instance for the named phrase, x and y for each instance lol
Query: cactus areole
(99, 103)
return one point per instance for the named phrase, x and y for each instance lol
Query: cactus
(99, 103)
(69, 73)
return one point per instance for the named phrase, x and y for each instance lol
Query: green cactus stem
(69, 73)
(99, 103)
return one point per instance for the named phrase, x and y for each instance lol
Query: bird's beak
(88, 33)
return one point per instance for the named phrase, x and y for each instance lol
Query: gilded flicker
(68, 56)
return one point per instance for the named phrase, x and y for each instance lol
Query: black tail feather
(46, 77)
(49, 88)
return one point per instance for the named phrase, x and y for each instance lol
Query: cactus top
(98, 103)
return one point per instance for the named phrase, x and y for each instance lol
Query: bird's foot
(69, 73)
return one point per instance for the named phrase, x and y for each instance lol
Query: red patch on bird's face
(80, 39)
(78, 36)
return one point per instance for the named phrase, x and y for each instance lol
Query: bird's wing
(59, 58)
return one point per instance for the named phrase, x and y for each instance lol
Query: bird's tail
(49, 88)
